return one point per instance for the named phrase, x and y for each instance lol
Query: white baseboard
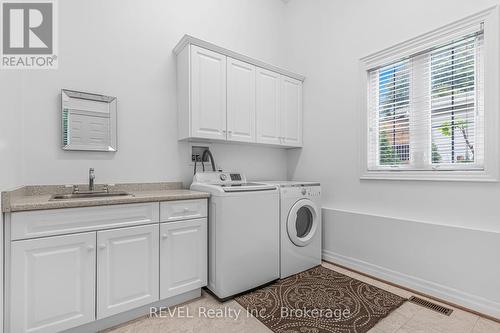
(458, 297)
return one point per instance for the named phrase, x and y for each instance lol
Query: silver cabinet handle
(164, 236)
(102, 246)
(90, 248)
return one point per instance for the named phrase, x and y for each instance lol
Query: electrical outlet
(197, 152)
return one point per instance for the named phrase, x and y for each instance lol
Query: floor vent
(430, 305)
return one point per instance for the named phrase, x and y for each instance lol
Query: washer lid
(292, 183)
(247, 187)
(302, 222)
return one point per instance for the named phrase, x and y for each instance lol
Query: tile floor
(409, 318)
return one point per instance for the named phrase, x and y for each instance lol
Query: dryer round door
(302, 223)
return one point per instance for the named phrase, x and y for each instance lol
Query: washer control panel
(219, 177)
(235, 177)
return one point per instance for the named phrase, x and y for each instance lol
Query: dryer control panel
(302, 191)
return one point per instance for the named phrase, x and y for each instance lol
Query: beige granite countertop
(38, 197)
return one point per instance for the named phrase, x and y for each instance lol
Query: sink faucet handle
(109, 187)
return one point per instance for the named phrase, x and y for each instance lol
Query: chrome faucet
(91, 179)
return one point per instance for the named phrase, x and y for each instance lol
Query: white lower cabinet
(183, 256)
(52, 283)
(59, 282)
(127, 269)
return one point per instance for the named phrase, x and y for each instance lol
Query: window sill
(430, 175)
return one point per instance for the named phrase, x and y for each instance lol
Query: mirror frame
(113, 120)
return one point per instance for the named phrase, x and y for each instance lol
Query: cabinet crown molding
(187, 39)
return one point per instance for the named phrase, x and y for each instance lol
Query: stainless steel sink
(89, 195)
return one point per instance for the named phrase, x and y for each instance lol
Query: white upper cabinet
(291, 112)
(52, 283)
(208, 94)
(268, 107)
(223, 95)
(240, 101)
(127, 269)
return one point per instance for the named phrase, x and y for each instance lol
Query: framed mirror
(88, 121)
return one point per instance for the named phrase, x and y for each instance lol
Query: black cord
(205, 153)
(195, 160)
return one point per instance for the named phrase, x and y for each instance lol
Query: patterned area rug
(320, 300)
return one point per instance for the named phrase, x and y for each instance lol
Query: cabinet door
(268, 106)
(240, 101)
(52, 283)
(183, 256)
(208, 94)
(291, 112)
(127, 269)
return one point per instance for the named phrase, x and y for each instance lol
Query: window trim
(490, 172)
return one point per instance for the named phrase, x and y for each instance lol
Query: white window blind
(426, 111)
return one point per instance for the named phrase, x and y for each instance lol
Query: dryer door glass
(304, 221)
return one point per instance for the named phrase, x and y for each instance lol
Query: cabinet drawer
(43, 223)
(182, 210)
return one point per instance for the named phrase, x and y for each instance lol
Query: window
(391, 97)
(456, 102)
(425, 105)
(426, 110)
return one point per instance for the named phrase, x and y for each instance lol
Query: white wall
(11, 130)
(11, 139)
(448, 262)
(124, 49)
(326, 40)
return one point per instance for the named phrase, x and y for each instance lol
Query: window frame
(490, 19)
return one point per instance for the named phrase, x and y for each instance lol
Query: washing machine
(300, 226)
(243, 232)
